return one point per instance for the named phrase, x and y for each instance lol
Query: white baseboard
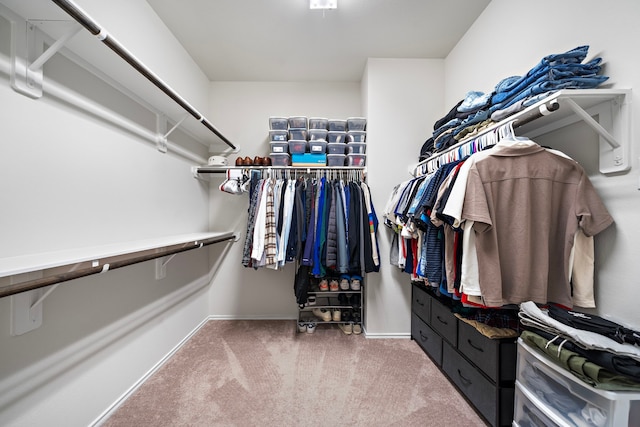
(252, 317)
(111, 409)
(374, 335)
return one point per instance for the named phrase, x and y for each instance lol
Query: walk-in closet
(373, 213)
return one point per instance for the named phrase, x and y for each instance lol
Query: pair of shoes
(354, 300)
(257, 161)
(333, 285)
(344, 282)
(302, 327)
(323, 285)
(311, 300)
(342, 299)
(336, 314)
(231, 186)
(357, 323)
(355, 283)
(322, 313)
(347, 328)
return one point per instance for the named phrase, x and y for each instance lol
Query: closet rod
(83, 19)
(111, 263)
(224, 169)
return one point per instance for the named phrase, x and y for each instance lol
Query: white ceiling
(283, 40)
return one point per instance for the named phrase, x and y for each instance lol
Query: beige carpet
(263, 373)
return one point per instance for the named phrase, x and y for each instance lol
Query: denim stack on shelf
(478, 110)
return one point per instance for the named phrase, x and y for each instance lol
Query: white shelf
(67, 264)
(612, 107)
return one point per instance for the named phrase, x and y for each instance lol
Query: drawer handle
(419, 302)
(465, 380)
(423, 337)
(444, 322)
(473, 346)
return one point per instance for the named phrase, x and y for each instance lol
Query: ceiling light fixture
(323, 4)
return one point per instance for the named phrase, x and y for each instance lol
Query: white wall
(509, 39)
(70, 180)
(404, 98)
(243, 110)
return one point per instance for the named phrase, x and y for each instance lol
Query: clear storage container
(318, 123)
(336, 147)
(278, 123)
(297, 146)
(317, 134)
(356, 123)
(279, 147)
(337, 125)
(356, 136)
(299, 134)
(335, 159)
(278, 135)
(356, 148)
(298, 122)
(336, 136)
(561, 395)
(280, 159)
(356, 159)
(317, 146)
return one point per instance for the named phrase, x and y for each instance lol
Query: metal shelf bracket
(28, 56)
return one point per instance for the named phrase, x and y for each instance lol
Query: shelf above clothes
(59, 24)
(28, 272)
(560, 109)
(199, 171)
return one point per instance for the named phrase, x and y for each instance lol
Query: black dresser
(482, 369)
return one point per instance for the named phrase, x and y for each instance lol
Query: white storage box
(571, 397)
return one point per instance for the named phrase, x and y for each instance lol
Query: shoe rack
(342, 307)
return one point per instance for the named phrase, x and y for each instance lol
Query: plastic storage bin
(356, 136)
(278, 123)
(335, 159)
(299, 134)
(280, 159)
(356, 123)
(309, 159)
(336, 147)
(318, 123)
(569, 394)
(279, 147)
(317, 134)
(298, 122)
(337, 125)
(317, 146)
(336, 136)
(297, 146)
(356, 148)
(356, 159)
(278, 135)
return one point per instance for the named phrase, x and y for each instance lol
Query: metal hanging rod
(112, 262)
(83, 19)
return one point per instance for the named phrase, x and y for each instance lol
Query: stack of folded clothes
(512, 94)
